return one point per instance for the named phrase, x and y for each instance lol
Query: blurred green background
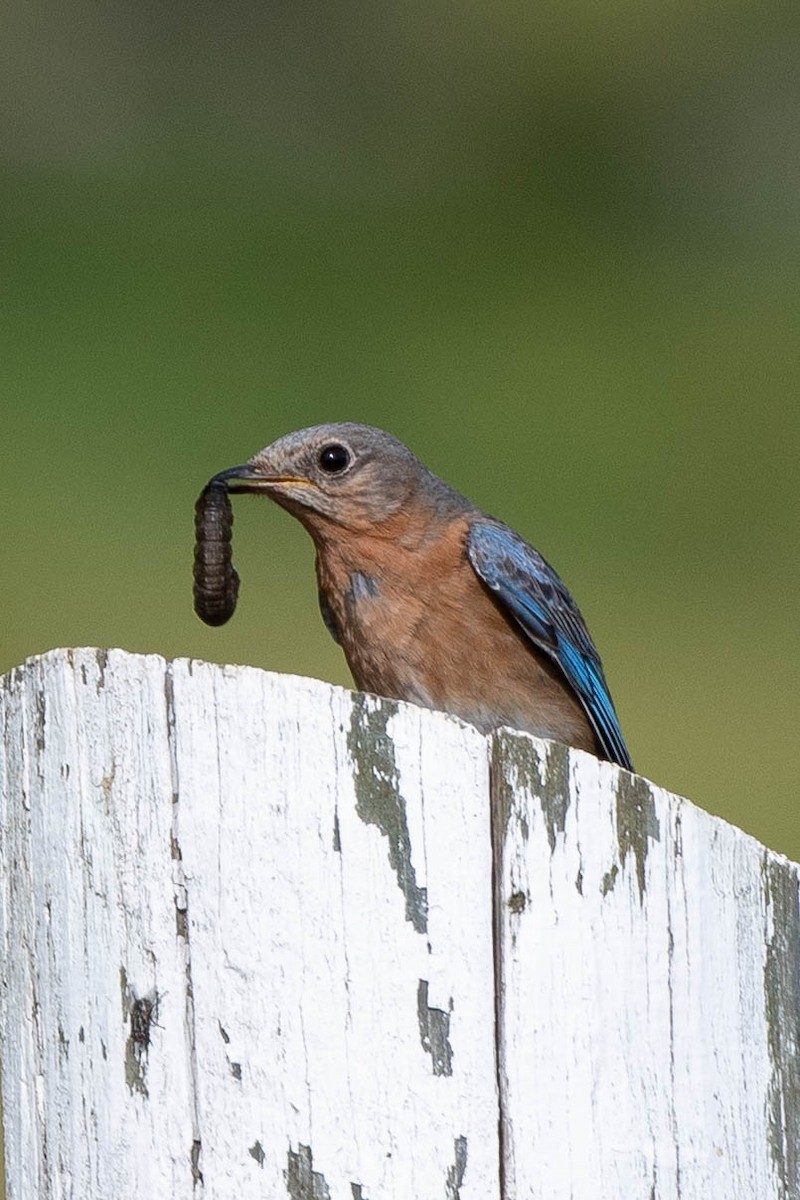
(552, 247)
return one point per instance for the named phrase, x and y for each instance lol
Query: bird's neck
(403, 533)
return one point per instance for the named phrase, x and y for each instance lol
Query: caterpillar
(216, 582)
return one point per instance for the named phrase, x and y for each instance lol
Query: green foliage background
(552, 247)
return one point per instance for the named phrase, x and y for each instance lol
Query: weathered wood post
(250, 949)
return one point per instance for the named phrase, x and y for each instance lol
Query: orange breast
(416, 623)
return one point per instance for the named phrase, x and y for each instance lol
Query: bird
(432, 600)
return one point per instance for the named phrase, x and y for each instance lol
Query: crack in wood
(181, 898)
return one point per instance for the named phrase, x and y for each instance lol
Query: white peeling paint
(248, 951)
(636, 1024)
(287, 1047)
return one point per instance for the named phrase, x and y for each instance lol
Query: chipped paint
(434, 1031)
(302, 1182)
(124, 992)
(554, 791)
(637, 823)
(609, 879)
(782, 1007)
(513, 758)
(136, 1068)
(181, 922)
(256, 1151)
(194, 1160)
(456, 1173)
(378, 798)
(40, 720)
(101, 658)
(138, 1013)
(516, 762)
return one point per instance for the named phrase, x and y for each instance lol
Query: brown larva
(216, 583)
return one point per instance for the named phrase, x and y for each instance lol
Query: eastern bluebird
(431, 600)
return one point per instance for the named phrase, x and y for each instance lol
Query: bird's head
(351, 476)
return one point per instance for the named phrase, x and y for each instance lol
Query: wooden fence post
(250, 950)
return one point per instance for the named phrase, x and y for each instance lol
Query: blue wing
(538, 600)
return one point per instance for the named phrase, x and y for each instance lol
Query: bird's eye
(334, 459)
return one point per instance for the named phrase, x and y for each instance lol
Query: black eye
(334, 459)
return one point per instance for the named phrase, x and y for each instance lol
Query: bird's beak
(247, 478)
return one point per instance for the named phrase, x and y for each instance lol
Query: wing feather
(540, 603)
